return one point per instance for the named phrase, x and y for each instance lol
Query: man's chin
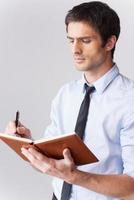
(81, 67)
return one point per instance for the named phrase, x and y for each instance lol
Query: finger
(67, 155)
(38, 155)
(24, 131)
(37, 169)
(10, 129)
(28, 155)
(31, 155)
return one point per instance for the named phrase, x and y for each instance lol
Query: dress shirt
(109, 131)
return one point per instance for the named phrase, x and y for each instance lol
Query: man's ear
(111, 43)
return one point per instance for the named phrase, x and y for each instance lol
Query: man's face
(86, 45)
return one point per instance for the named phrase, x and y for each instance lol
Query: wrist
(80, 178)
(72, 179)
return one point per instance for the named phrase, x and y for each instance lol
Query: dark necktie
(79, 129)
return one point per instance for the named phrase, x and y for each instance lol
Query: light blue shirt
(109, 131)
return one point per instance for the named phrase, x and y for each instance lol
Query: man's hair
(100, 16)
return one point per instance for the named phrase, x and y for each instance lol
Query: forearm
(119, 186)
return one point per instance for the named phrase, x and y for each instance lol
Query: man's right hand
(21, 130)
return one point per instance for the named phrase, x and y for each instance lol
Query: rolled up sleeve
(127, 144)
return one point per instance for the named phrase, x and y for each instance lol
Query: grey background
(34, 63)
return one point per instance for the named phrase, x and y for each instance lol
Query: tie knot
(89, 89)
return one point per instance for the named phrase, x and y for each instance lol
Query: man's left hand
(63, 168)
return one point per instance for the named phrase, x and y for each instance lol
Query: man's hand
(21, 130)
(63, 168)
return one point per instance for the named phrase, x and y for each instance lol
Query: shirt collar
(102, 83)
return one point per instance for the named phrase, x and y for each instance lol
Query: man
(92, 30)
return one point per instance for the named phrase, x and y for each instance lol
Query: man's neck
(93, 75)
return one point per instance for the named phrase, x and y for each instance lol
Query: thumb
(67, 155)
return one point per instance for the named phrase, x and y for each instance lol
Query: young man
(92, 30)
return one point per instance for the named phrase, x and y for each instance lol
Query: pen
(17, 119)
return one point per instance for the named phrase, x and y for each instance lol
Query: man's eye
(71, 41)
(86, 41)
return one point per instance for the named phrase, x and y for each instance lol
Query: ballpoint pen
(17, 120)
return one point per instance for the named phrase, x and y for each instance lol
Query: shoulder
(127, 82)
(126, 88)
(69, 87)
(125, 85)
(67, 90)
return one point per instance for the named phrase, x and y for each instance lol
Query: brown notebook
(53, 147)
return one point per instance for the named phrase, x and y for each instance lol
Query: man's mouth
(79, 59)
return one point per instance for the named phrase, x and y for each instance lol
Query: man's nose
(76, 49)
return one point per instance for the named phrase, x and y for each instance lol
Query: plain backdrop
(35, 61)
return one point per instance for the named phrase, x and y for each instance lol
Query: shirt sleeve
(55, 126)
(127, 144)
(52, 128)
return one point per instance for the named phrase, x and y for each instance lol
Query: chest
(105, 116)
